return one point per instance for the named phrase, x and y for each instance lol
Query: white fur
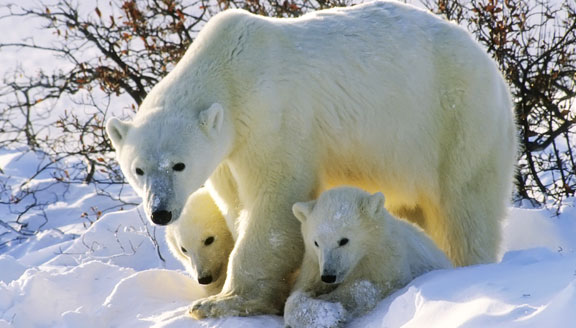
(268, 112)
(381, 254)
(201, 219)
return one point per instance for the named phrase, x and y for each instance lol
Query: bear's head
(166, 155)
(337, 228)
(201, 239)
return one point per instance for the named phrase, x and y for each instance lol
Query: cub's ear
(211, 119)
(117, 130)
(303, 209)
(373, 203)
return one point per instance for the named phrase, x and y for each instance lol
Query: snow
(82, 270)
(521, 291)
(117, 271)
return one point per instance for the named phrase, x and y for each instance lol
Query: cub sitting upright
(201, 240)
(356, 253)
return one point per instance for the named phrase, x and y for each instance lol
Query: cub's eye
(139, 171)
(183, 250)
(208, 241)
(179, 167)
(343, 242)
(315, 243)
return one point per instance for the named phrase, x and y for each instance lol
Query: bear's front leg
(267, 252)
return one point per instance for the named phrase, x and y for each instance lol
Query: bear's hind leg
(466, 223)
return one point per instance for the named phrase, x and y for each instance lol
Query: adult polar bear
(268, 112)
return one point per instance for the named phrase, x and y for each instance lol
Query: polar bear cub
(356, 253)
(200, 239)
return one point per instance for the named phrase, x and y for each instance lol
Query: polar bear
(200, 239)
(356, 253)
(267, 112)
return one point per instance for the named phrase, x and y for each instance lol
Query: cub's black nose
(161, 217)
(329, 279)
(205, 280)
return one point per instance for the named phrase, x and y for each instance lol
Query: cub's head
(166, 155)
(337, 228)
(201, 240)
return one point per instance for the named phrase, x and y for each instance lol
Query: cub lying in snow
(356, 253)
(200, 239)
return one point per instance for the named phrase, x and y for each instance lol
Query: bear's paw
(303, 311)
(230, 306)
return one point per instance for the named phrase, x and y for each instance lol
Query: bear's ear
(211, 119)
(373, 203)
(303, 209)
(117, 130)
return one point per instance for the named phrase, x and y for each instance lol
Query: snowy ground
(109, 273)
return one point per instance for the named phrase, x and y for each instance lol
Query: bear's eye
(343, 242)
(184, 250)
(315, 243)
(208, 241)
(139, 171)
(179, 167)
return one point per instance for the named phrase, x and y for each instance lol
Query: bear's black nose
(329, 279)
(161, 217)
(205, 280)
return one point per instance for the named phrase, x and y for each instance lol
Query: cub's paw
(302, 311)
